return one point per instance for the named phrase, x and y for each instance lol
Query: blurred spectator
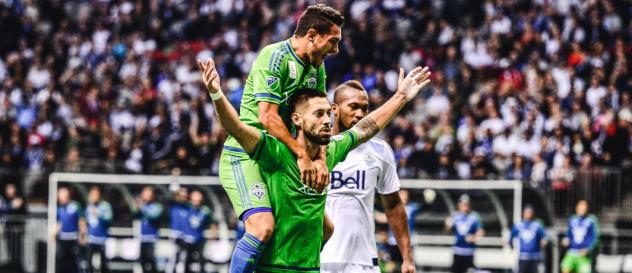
(98, 216)
(467, 227)
(70, 233)
(178, 218)
(100, 88)
(13, 208)
(199, 220)
(149, 212)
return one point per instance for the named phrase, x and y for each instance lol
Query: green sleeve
(269, 152)
(266, 77)
(322, 79)
(339, 146)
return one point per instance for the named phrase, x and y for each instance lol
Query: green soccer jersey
(276, 74)
(298, 210)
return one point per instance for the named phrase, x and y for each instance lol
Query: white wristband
(217, 95)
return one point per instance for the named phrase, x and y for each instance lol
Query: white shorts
(348, 268)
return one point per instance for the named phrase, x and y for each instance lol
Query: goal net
(498, 202)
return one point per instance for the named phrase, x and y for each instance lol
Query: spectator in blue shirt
(468, 229)
(200, 219)
(149, 212)
(532, 238)
(178, 215)
(70, 232)
(99, 217)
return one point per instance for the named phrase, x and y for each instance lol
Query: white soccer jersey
(350, 202)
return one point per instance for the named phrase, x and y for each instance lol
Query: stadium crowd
(521, 89)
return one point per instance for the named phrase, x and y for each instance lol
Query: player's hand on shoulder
(322, 174)
(308, 171)
(416, 80)
(210, 77)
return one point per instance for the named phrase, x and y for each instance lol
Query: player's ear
(296, 119)
(311, 35)
(335, 109)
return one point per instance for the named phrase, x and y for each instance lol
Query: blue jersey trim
(234, 149)
(267, 95)
(289, 47)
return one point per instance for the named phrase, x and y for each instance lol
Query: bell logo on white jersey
(357, 182)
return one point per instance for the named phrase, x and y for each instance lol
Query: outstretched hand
(209, 75)
(416, 80)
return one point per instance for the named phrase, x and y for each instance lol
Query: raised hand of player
(410, 85)
(210, 78)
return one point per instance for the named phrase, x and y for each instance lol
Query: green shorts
(241, 179)
(576, 263)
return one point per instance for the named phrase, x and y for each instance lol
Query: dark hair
(95, 188)
(353, 84)
(302, 95)
(319, 17)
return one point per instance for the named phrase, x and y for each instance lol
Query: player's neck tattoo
(366, 129)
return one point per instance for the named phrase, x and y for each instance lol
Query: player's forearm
(372, 124)
(275, 126)
(398, 223)
(247, 136)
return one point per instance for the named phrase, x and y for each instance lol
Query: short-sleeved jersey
(276, 74)
(530, 234)
(98, 216)
(68, 216)
(298, 210)
(583, 233)
(199, 219)
(368, 168)
(464, 225)
(178, 213)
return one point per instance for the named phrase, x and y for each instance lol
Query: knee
(261, 226)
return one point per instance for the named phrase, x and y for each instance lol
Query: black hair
(302, 95)
(319, 17)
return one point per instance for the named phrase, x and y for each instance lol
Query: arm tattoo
(366, 129)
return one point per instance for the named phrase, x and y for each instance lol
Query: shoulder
(381, 147)
(272, 56)
(206, 210)
(104, 204)
(74, 205)
(476, 216)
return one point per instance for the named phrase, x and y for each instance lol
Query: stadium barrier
(433, 250)
(603, 188)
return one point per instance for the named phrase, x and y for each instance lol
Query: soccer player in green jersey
(299, 209)
(279, 70)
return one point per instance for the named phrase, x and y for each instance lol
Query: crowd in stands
(521, 89)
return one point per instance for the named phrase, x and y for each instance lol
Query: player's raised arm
(407, 89)
(246, 135)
